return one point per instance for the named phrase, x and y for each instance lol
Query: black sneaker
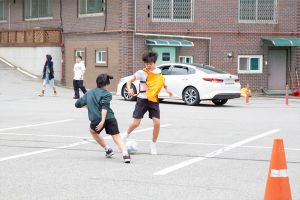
(126, 158)
(75, 97)
(109, 153)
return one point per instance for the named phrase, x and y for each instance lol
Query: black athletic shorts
(144, 105)
(110, 125)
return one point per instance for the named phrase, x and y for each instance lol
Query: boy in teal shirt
(97, 101)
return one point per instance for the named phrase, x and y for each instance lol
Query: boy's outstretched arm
(80, 103)
(167, 90)
(130, 91)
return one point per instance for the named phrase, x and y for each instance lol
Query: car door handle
(184, 79)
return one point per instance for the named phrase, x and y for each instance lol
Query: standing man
(79, 70)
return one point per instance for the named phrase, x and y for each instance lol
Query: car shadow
(202, 104)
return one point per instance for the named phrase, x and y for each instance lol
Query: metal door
(165, 55)
(277, 70)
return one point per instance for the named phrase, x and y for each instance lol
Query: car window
(192, 71)
(208, 70)
(177, 70)
(164, 70)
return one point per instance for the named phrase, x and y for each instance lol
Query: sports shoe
(153, 150)
(55, 94)
(126, 158)
(109, 153)
(124, 136)
(41, 95)
(75, 97)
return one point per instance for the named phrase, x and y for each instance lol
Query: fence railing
(30, 37)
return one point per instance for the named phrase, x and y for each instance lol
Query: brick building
(241, 37)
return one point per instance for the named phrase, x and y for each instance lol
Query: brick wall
(209, 16)
(17, 17)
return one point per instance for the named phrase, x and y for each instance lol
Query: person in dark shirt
(48, 75)
(97, 101)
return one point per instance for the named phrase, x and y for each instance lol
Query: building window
(90, 8)
(258, 11)
(80, 53)
(3, 11)
(186, 59)
(173, 10)
(100, 56)
(38, 9)
(250, 64)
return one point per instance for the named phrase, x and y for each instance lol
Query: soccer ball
(132, 147)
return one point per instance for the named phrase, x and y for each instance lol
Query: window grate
(258, 11)
(172, 10)
(3, 10)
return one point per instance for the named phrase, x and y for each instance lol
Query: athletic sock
(152, 144)
(106, 148)
(127, 135)
(124, 153)
(54, 91)
(43, 91)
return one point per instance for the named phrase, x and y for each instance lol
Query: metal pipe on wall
(9, 16)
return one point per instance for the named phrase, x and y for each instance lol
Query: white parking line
(57, 148)
(212, 154)
(59, 136)
(41, 151)
(64, 136)
(5, 129)
(147, 129)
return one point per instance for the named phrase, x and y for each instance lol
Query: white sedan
(192, 83)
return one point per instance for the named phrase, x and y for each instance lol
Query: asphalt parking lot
(47, 152)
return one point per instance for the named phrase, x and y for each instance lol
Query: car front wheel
(191, 96)
(219, 102)
(126, 95)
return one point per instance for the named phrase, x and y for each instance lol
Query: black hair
(46, 63)
(103, 80)
(149, 56)
(79, 57)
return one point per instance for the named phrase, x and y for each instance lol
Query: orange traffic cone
(278, 185)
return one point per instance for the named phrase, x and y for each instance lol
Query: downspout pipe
(9, 16)
(62, 57)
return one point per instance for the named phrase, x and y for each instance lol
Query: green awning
(169, 42)
(281, 41)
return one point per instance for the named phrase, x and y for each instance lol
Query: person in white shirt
(79, 70)
(143, 103)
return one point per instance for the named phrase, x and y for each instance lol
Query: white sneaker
(124, 136)
(153, 150)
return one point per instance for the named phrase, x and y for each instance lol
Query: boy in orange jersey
(147, 98)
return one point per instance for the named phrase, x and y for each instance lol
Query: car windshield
(208, 69)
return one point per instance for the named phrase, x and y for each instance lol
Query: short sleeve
(138, 75)
(74, 67)
(83, 66)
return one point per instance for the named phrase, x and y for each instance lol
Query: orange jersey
(154, 83)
